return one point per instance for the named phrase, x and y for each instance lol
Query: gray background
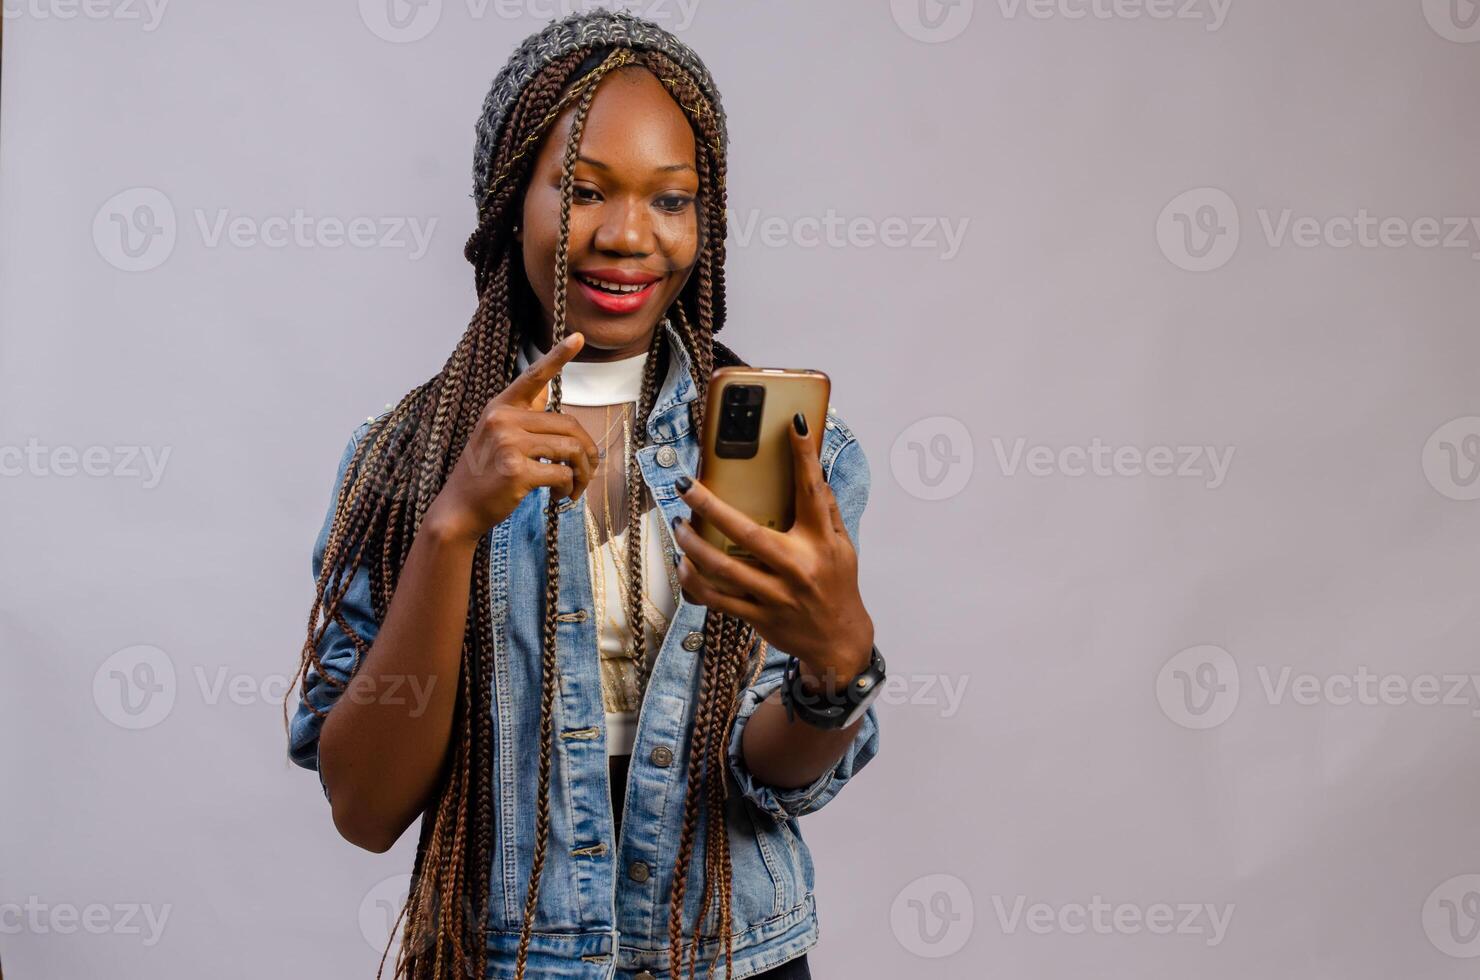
(1125, 643)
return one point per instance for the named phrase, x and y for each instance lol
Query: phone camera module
(741, 406)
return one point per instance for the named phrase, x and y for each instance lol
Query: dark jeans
(790, 970)
(793, 969)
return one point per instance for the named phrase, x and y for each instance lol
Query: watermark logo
(379, 910)
(401, 21)
(1454, 20)
(1210, 464)
(1212, 14)
(135, 687)
(147, 12)
(932, 21)
(382, 906)
(1103, 918)
(932, 459)
(932, 917)
(1198, 230)
(134, 230)
(1451, 459)
(1451, 917)
(1198, 688)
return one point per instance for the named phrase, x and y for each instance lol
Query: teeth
(615, 287)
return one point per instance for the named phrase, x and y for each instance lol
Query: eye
(583, 193)
(674, 203)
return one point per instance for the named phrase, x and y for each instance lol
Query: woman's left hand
(803, 599)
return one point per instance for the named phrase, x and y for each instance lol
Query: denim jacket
(603, 909)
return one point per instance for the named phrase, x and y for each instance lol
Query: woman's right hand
(501, 462)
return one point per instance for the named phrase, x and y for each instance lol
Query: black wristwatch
(832, 708)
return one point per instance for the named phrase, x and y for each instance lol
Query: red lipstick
(617, 291)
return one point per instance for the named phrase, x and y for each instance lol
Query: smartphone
(745, 453)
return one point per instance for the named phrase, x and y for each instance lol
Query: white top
(614, 383)
(593, 382)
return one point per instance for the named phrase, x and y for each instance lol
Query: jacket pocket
(774, 845)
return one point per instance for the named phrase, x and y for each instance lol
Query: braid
(637, 506)
(400, 465)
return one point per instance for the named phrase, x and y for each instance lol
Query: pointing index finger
(529, 385)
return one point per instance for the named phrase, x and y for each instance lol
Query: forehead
(634, 124)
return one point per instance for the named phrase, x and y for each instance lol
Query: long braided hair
(401, 464)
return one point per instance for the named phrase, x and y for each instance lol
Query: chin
(602, 337)
(610, 331)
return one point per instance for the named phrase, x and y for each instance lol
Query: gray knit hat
(594, 28)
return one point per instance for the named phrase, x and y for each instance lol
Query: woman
(469, 658)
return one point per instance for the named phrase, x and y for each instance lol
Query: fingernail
(674, 523)
(799, 421)
(683, 483)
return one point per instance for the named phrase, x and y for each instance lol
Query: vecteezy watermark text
(1211, 13)
(136, 230)
(938, 21)
(137, 688)
(405, 21)
(38, 918)
(1099, 459)
(1200, 688)
(119, 462)
(932, 233)
(1201, 229)
(1104, 918)
(147, 12)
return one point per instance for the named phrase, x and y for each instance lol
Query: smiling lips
(617, 290)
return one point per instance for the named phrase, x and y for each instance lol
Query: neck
(541, 340)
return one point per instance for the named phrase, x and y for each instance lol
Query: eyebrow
(662, 170)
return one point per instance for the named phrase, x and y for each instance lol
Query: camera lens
(741, 413)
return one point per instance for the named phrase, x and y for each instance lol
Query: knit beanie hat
(595, 28)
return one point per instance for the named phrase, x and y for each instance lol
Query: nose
(626, 227)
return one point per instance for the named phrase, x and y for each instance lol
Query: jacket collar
(669, 419)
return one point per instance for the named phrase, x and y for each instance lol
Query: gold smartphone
(745, 452)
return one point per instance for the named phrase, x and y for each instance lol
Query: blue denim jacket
(603, 908)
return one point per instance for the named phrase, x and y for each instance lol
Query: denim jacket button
(662, 756)
(693, 641)
(667, 456)
(638, 871)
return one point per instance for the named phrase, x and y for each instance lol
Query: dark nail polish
(800, 422)
(683, 483)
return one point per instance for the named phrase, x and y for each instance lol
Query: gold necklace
(650, 614)
(604, 443)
